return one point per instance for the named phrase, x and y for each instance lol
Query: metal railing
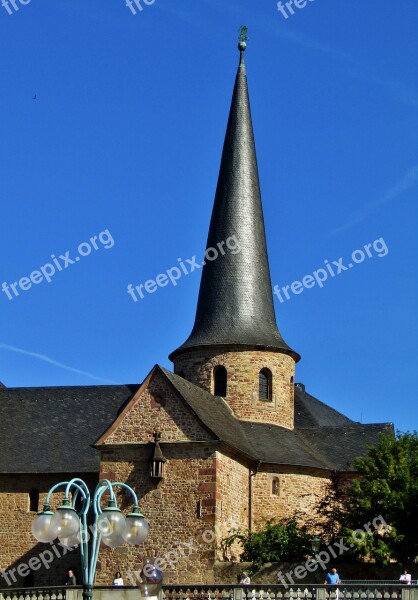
(38, 593)
(374, 582)
(386, 591)
(345, 591)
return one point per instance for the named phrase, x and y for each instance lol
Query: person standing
(405, 577)
(70, 578)
(118, 579)
(245, 579)
(332, 578)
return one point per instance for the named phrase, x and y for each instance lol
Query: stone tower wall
(243, 367)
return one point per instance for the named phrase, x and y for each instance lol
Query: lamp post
(70, 526)
(315, 545)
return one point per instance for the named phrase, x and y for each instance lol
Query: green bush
(277, 541)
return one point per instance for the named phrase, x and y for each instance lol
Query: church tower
(235, 349)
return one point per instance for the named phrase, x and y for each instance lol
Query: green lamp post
(315, 545)
(70, 525)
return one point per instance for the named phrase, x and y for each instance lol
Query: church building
(226, 440)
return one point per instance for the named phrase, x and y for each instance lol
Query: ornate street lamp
(315, 545)
(70, 526)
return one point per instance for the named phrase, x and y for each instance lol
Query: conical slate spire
(235, 305)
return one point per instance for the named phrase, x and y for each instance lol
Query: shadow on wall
(42, 565)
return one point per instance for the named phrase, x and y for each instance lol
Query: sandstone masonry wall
(180, 510)
(232, 486)
(243, 367)
(282, 491)
(157, 408)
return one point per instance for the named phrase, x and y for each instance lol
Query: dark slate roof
(343, 444)
(310, 412)
(50, 429)
(324, 447)
(235, 304)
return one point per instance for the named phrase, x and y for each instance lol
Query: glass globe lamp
(136, 530)
(41, 526)
(75, 540)
(111, 523)
(70, 542)
(151, 580)
(65, 522)
(113, 541)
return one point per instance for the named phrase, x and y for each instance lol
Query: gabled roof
(331, 447)
(258, 441)
(50, 429)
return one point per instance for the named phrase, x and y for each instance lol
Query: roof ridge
(250, 445)
(187, 383)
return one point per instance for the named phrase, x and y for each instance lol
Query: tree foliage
(387, 486)
(375, 515)
(276, 541)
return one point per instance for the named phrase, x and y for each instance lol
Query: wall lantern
(158, 459)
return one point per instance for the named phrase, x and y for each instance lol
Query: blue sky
(125, 136)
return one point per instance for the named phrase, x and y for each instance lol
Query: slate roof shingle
(235, 304)
(324, 439)
(51, 429)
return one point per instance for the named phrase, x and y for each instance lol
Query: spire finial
(242, 38)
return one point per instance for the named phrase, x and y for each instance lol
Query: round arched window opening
(219, 381)
(264, 385)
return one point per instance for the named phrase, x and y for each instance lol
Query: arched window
(264, 385)
(292, 389)
(219, 379)
(275, 486)
(34, 500)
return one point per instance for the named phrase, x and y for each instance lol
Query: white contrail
(407, 181)
(51, 361)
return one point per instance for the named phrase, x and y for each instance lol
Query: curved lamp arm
(134, 533)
